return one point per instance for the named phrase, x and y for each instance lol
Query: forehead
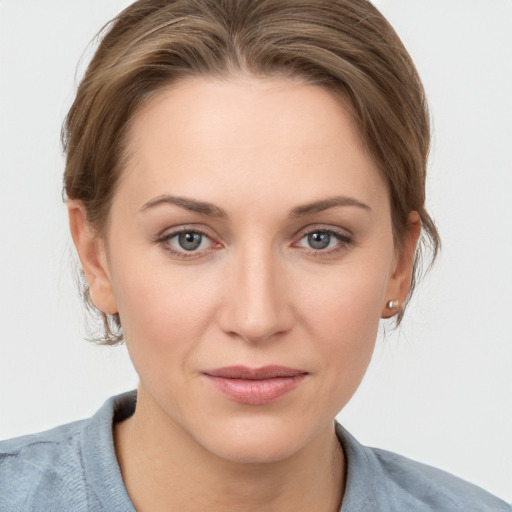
(247, 135)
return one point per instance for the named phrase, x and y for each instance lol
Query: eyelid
(324, 228)
(170, 231)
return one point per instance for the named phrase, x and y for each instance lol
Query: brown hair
(344, 45)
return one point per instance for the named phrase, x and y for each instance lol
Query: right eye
(186, 242)
(189, 240)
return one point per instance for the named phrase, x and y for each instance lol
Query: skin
(254, 293)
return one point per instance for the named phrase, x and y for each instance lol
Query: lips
(255, 386)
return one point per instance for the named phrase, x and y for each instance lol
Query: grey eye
(189, 240)
(319, 240)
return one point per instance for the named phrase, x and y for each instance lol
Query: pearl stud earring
(393, 304)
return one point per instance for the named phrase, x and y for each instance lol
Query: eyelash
(343, 239)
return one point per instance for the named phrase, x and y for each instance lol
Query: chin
(262, 450)
(258, 441)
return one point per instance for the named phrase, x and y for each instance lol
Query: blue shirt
(73, 468)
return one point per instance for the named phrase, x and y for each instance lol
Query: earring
(392, 304)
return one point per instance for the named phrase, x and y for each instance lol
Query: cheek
(342, 312)
(347, 302)
(163, 308)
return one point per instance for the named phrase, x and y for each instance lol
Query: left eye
(321, 240)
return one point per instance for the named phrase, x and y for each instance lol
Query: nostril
(255, 328)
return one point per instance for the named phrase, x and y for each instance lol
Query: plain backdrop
(438, 390)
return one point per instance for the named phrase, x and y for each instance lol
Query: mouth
(255, 386)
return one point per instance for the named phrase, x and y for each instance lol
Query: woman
(245, 185)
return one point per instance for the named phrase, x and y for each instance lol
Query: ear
(93, 257)
(400, 280)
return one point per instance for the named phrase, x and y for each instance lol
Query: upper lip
(261, 373)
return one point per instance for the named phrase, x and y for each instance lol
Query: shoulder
(71, 467)
(38, 464)
(393, 482)
(441, 490)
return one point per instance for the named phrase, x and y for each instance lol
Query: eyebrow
(211, 210)
(192, 205)
(326, 204)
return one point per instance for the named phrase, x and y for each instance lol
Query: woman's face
(249, 252)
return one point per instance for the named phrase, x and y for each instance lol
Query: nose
(256, 306)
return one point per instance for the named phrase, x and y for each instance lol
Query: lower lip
(256, 392)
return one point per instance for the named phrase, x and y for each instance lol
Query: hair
(346, 46)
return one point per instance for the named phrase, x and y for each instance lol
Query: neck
(165, 469)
